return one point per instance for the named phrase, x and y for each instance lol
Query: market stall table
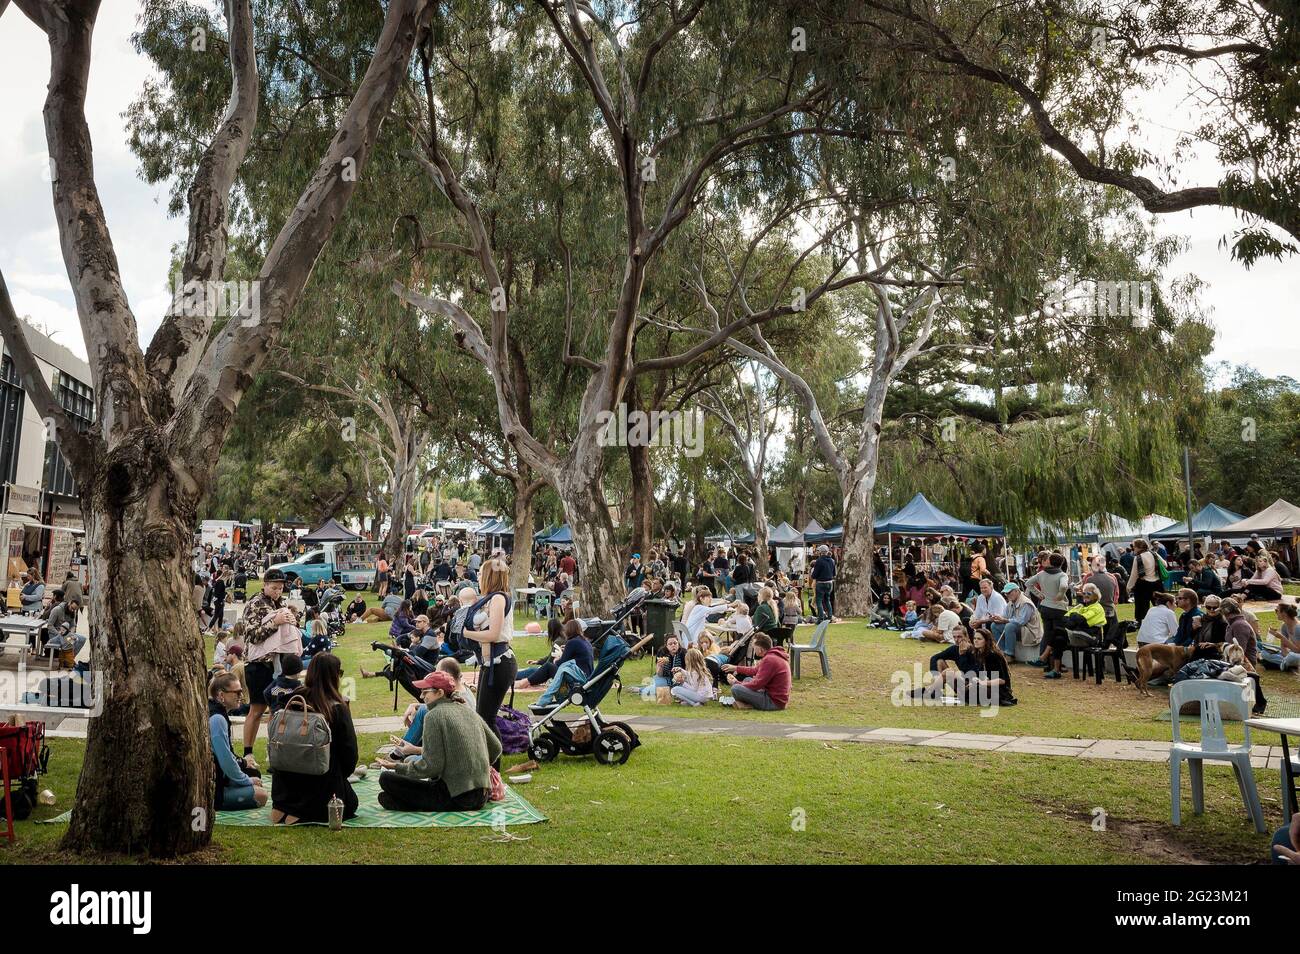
(1283, 727)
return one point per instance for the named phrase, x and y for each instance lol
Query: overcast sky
(1254, 311)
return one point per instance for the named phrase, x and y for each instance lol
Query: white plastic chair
(1211, 694)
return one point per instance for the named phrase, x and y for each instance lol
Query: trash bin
(659, 619)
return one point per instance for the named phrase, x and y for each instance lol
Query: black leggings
(1254, 591)
(401, 794)
(494, 682)
(1142, 591)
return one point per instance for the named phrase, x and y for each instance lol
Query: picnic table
(1283, 727)
(28, 627)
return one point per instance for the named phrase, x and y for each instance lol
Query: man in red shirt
(568, 564)
(768, 684)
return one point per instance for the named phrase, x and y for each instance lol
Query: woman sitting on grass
(403, 625)
(356, 609)
(238, 787)
(296, 797)
(1265, 585)
(692, 685)
(714, 657)
(1286, 655)
(991, 679)
(667, 661)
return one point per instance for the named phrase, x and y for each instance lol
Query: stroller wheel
(612, 746)
(545, 749)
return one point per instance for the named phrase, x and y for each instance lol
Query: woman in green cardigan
(452, 772)
(766, 614)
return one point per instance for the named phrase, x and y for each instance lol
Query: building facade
(41, 523)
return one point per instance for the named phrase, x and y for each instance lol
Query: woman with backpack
(305, 798)
(490, 625)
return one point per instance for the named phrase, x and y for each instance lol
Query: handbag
(298, 739)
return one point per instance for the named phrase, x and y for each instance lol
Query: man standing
(823, 576)
(263, 615)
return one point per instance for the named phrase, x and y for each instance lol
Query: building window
(11, 419)
(78, 402)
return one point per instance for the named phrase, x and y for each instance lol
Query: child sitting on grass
(692, 685)
(910, 617)
(672, 657)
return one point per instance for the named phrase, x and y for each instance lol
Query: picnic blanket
(515, 810)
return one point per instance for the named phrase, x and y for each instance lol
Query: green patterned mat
(513, 811)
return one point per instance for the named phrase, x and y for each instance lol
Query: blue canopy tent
(561, 537)
(782, 535)
(542, 536)
(829, 535)
(920, 518)
(1205, 521)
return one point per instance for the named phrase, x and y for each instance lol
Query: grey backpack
(299, 739)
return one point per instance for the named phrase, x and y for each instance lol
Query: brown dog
(1159, 659)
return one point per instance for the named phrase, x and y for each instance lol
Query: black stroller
(331, 610)
(610, 742)
(404, 669)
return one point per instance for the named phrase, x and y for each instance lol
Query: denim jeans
(1282, 660)
(822, 599)
(415, 734)
(1007, 635)
(569, 672)
(690, 697)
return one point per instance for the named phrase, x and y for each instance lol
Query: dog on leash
(1160, 659)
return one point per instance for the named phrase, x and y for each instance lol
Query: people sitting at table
(766, 686)
(239, 787)
(767, 612)
(1285, 653)
(739, 621)
(32, 594)
(698, 613)
(453, 770)
(573, 667)
(1265, 585)
(693, 684)
(1160, 624)
(356, 609)
(61, 633)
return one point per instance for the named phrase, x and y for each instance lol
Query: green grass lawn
(692, 799)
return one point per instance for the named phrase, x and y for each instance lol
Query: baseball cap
(1010, 586)
(437, 680)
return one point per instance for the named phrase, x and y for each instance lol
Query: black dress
(306, 797)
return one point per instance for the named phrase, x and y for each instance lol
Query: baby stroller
(27, 758)
(610, 742)
(331, 611)
(403, 669)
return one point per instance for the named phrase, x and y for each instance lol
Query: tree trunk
(600, 569)
(853, 596)
(403, 504)
(760, 528)
(521, 561)
(643, 499)
(149, 745)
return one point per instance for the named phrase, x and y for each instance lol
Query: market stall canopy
(331, 531)
(1057, 534)
(1209, 518)
(830, 535)
(562, 536)
(1281, 518)
(1112, 528)
(784, 536)
(919, 517)
(813, 529)
(542, 536)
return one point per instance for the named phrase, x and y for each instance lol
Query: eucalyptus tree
(656, 101)
(163, 413)
(1079, 67)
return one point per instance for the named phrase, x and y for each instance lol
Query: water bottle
(336, 813)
